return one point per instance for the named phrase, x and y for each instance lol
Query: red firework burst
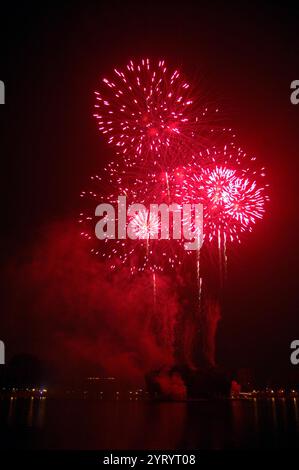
(148, 112)
(143, 252)
(246, 202)
(225, 182)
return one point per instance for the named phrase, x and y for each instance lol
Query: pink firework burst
(233, 203)
(246, 202)
(145, 110)
(144, 106)
(144, 224)
(231, 190)
(217, 184)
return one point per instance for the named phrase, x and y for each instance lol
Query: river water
(85, 424)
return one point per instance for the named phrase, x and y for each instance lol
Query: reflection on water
(295, 403)
(40, 423)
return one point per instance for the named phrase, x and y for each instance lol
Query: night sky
(244, 55)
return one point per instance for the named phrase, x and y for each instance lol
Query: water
(84, 424)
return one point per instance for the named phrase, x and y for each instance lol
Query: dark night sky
(246, 56)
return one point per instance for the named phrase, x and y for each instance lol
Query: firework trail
(143, 255)
(233, 193)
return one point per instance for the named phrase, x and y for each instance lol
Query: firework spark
(143, 252)
(144, 224)
(225, 182)
(149, 112)
(144, 109)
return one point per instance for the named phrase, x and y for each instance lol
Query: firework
(144, 225)
(140, 251)
(144, 109)
(225, 182)
(173, 150)
(148, 111)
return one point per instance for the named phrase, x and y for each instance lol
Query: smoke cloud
(67, 308)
